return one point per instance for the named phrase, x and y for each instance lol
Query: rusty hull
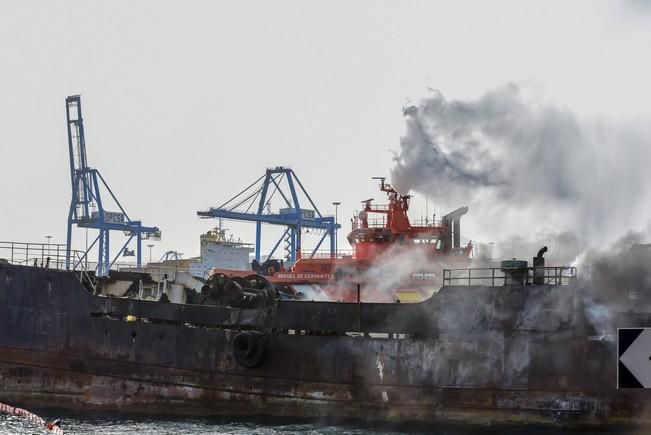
(468, 354)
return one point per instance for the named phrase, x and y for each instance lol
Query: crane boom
(87, 187)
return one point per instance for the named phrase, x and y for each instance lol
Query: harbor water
(112, 424)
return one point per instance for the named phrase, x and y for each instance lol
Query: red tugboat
(392, 260)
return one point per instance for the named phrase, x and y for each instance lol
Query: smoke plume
(395, 267)
(526, 167)
(536, 174)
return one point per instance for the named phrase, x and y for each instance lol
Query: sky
(186, 103)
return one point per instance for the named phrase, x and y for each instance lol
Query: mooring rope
(52, 426)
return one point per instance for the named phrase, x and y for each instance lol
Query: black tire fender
(249, 348)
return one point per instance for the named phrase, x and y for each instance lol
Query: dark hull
(473, 354)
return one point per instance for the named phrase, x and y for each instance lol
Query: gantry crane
(258, 195)
(86, 207)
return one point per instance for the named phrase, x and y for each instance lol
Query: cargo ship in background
(217, 249)
(515, 344)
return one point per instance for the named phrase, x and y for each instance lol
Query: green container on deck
(513, 264)
(515, 271)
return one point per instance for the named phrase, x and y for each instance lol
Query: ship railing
(381, 223)
(370, 223)
(378, 207)
(323, 254)
(53, 256)
(494, 277)
(158, 272)
(426, 222)
(50, 255)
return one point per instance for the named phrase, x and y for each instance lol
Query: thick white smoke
(395, 267)
(527, 168)
(536, 174)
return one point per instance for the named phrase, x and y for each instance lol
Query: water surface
(115, 424)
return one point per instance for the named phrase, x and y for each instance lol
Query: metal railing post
(559, 276)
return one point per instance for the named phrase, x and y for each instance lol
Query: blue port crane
(87, 210)
(253, 204)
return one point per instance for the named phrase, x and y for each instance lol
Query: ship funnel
(539, 267)
(453, 220)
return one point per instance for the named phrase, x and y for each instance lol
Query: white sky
(186, 103)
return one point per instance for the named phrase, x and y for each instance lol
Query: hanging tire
(249, 348)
